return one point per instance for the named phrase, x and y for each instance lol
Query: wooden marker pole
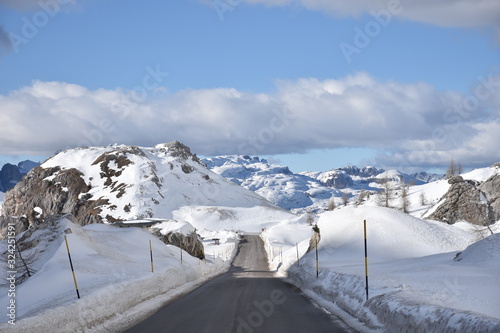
(317, 262)
(72, 270)
(366, 262)
(181, 252)
(151, 254)
(298, 259)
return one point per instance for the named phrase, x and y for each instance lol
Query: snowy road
(247, 299)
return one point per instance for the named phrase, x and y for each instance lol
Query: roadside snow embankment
(414, 282)
(115, 279)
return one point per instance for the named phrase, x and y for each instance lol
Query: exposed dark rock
(191, 243)
(466, 200)
(186, 168)
(491, 190)
(54, 191)
(338, 180)
(455, 180)
(178, 149)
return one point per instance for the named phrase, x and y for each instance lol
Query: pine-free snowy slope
(411, 268)
(113, 272)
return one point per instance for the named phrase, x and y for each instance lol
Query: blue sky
(264, 77)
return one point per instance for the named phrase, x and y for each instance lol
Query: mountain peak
(120, 182)
(177, 149)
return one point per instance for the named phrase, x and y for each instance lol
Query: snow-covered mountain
(274, 182)
(306, 191)
(114, 183)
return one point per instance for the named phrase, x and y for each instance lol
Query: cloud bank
(444, 13)
(31, 5)
(414, 125)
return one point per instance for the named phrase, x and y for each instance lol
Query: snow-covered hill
(146, 182)
(418, 281)
(114, 183)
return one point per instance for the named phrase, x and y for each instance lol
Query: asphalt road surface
(247, 299)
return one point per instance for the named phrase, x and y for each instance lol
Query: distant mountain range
(11, 174)
(298, 192)
(306, 191)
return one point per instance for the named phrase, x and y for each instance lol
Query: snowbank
(484, 253)
(415, 283)
(181, 227)
(251, 219)
(114, 274)
(391, 235)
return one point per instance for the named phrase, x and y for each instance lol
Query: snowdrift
(114, 275)
(418, 279)
(251, 219)
(483, 253)
(391, 235)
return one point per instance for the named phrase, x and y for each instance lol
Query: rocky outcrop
(338, 180)
(44, 192)
(469, 200)
(178, 149)
(191, 243)
(491, 190)
(365, 172)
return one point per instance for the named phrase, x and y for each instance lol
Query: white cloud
(417, 124)
(445, 13)
(30, 5)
